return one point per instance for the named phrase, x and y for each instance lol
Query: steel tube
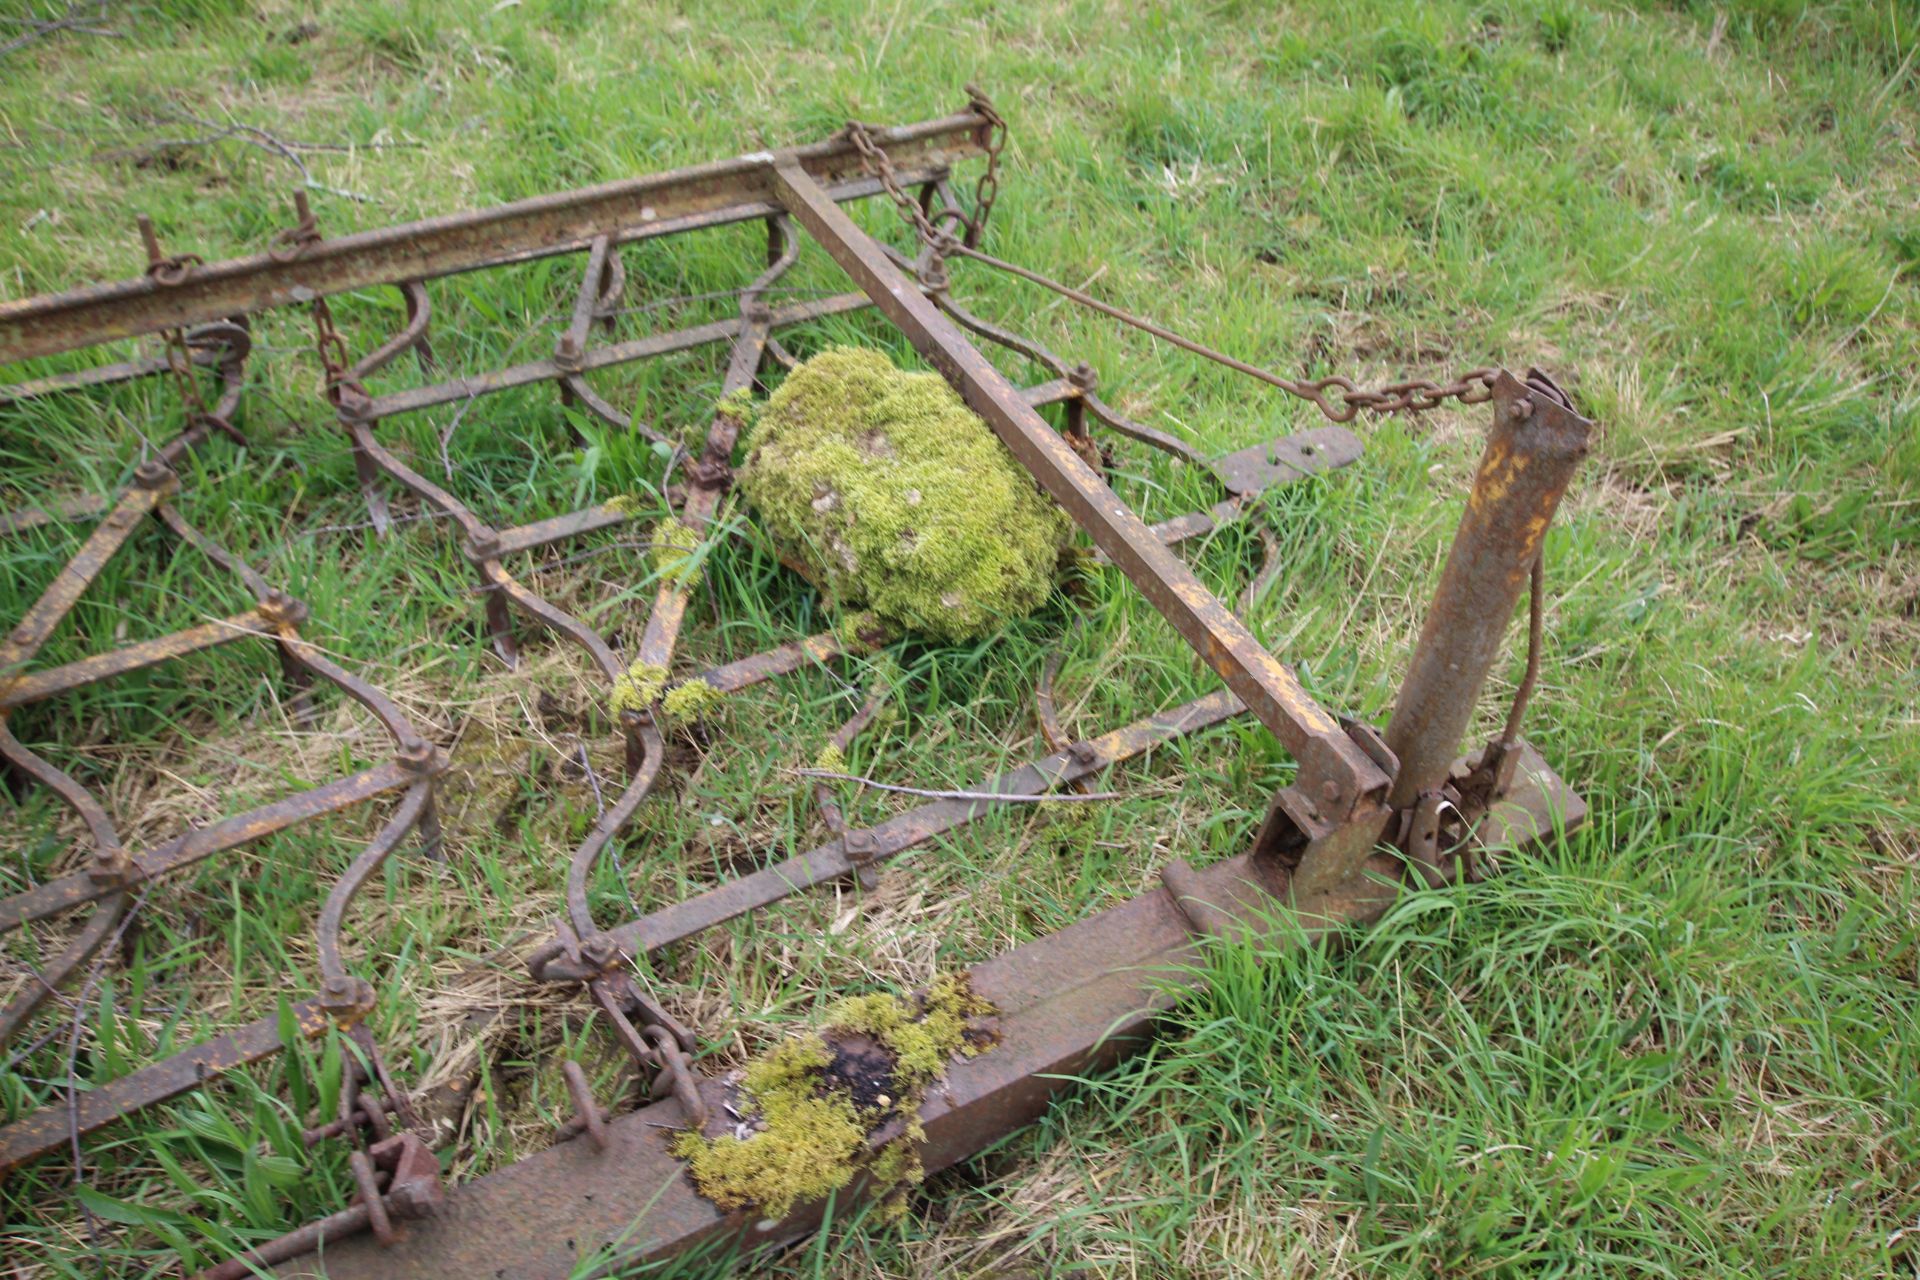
(1532, 451)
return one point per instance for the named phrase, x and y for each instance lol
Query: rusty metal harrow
(1367, 812)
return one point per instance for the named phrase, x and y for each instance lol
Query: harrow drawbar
(1368, 813)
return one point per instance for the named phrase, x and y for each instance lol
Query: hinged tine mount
(1369, 813)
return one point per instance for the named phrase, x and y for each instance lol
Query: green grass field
(1681, 1044)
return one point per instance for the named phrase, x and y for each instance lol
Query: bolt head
(344, 993)
(152, 474)
(416, 755)
(352, 405)
(601, 950)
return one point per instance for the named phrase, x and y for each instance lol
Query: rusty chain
(287, 245)
(1337, 397)
(987, 189)
(180, 372)
(874, 160)
(332, 350)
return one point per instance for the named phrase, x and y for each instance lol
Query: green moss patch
(686, 703)
(813, 1104)
(636, 688)
(886, 491)
(674, 545)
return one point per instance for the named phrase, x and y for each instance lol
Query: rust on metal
(1367, 814)
(1269, 689)
(634, 209)
(1536, 443)
(1069, 1003)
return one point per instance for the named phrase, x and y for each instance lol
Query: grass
(1681, 1043)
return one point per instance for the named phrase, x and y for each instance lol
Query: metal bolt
(110, 866)
(602, 950)
(566, 353)
(152, 474)
(1523, 409)
(1083, 376)
(352, 405)
(416, 755)
(344, 993)
(1330, 791)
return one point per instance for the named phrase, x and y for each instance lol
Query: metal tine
(114, 870)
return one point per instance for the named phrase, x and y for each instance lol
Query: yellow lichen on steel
(686, 703)
(675, 548)
(888, 492)
(737, 404)
(805, 1147)
(636, 688)
(805, 1134)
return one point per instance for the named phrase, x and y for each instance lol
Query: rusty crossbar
(114, 875)
(1366, 812)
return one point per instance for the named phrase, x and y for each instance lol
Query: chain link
(1412, 395)
(180, 371)
(877, 164)
(1339, 398)
(332, 350)
(987, 189)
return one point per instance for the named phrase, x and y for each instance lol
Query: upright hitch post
(1435, 802)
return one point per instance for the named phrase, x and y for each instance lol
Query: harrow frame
(1367, 814)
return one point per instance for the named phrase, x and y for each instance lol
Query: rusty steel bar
(44, 982)
(904, 831)
(632, 209)
(50, 1128)
(1333, 769)
(78, 574)
(1069, 1003)
(530, 537)
(618, 353)
(33, 686)
(61, 510)
(1536, 443)
(783, 660)
(68, 892)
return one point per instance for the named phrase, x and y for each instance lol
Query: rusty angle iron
(1369, 813)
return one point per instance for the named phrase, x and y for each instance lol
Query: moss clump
(860, 632)
(806, 1150)
(686, 703)
(831, 759)
(887, 491)
(674, 545)
(636, 688)
(737, 405)
(625, 503)
(814, 1101)
(922, 1035)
